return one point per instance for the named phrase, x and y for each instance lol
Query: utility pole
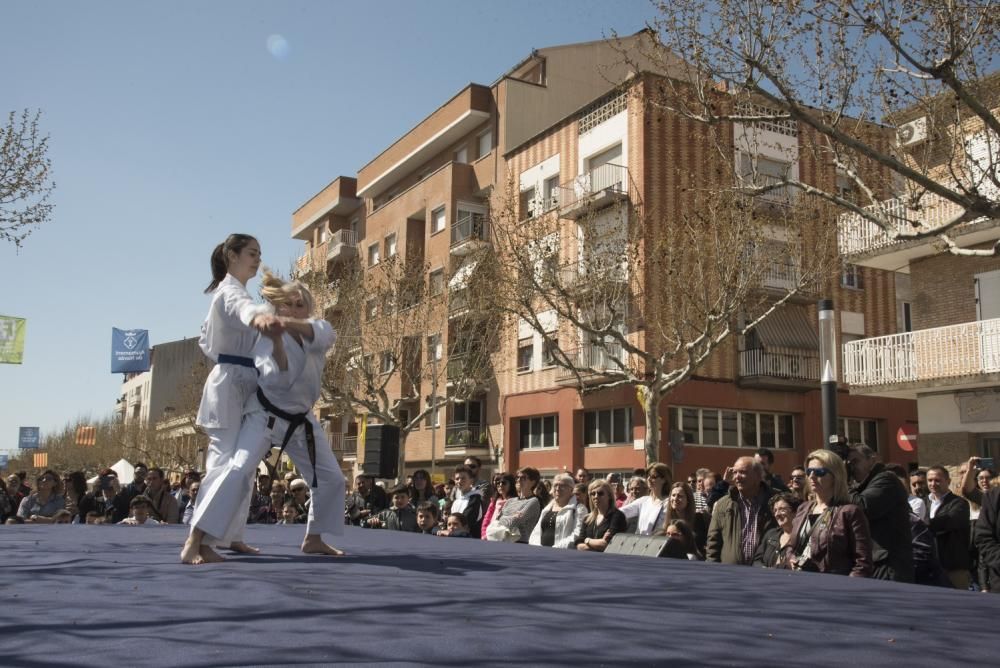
(434, 386)
(828, 374)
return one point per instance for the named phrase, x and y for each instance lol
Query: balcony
(864, 243)
(963, 356)
(779, 369)
(596, 189)
(342, 246)
(314, 259)
(337, 199)
(469, 233)
(463, 439)
(344, 447)
(596, 364)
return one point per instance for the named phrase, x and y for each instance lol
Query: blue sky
(173, 124)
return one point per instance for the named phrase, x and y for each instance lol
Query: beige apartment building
(565, 127)
(947, 353)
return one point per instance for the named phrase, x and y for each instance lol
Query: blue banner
(29, 438)
(129, 350)
(3, 461)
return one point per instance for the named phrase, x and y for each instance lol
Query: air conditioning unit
(913, 132)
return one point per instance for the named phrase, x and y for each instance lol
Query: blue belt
(236, 359)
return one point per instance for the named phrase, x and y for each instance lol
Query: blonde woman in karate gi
(280, 412)
(228, 337)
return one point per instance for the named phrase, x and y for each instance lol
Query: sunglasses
(819, 471)
(596, 494)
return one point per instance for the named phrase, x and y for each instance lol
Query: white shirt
(296, 389)
(227, 331)
(935, 504)
(918, 507)
(650, 512)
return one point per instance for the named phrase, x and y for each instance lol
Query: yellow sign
(11, 340)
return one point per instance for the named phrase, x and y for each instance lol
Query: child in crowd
(456, 527)
(427, 517)
(139, 509)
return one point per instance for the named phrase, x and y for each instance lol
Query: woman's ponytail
(218, 262)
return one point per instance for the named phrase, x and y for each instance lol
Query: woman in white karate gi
(228, 337)
(291, 370)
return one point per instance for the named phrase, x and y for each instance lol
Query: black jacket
(951, 528)
(987, 534)
(768, 549)
(884, 499)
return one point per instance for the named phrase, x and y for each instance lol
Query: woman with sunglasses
(829, 534)
(39, 506)
(505, 487)
(650, 510)
(604, 520)
(519, 514)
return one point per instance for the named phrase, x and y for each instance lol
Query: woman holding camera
(829, 534)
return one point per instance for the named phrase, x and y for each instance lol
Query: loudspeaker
(645, 546)
(381, 451)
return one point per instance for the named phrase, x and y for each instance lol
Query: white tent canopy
(125, 471)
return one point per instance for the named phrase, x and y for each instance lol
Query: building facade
(567, 128)
(947, 353)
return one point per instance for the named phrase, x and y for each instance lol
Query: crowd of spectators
(843, 512)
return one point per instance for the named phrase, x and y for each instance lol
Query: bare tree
(25, 179)
(624, 295)
(838, 67)
(392, 322)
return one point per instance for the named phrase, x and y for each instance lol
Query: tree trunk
(651, 408)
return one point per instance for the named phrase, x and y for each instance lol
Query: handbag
(499, 533)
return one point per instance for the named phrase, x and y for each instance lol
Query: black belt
(236, 359)
(295, 420)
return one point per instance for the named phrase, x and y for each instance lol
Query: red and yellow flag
(86, 435)
(41, 460)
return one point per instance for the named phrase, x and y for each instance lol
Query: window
(550, 193)
(748, 429)
(467, 412)
(404, 416)
(373, 255)
(355, 225)
(438, 220)
(485, 143)
(860, 430)
(549, 343)
(386, 363)
(462, 155)
(907, 320)
(371, 309)
(851, 277)
(540, 432)
(434, 349)
(760, 171)
(528, 204)
(611, 426)
(437, 282)
(324, 234)
(525, 354)
(390, 245)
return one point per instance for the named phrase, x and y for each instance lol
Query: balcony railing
(314, 259)
(860, 235)
(600, 357)
(470, 227)
(342, 242)
(599, 186)
(781, 276)
(758, 362)
(954, 352)
(464, 435)
(344, 446)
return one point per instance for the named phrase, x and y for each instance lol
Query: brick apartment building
(947, 353)
(564, 119)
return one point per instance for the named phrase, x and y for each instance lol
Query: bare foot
(191, 552)
(243, 548)
(210, 556)
(313, 544)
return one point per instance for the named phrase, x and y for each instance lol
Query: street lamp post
(828, 362)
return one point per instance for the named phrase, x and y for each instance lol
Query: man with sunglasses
(884, 499)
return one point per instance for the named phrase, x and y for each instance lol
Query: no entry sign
(906, 438)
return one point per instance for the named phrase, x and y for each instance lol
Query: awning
(461, 276)
(788, 327)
